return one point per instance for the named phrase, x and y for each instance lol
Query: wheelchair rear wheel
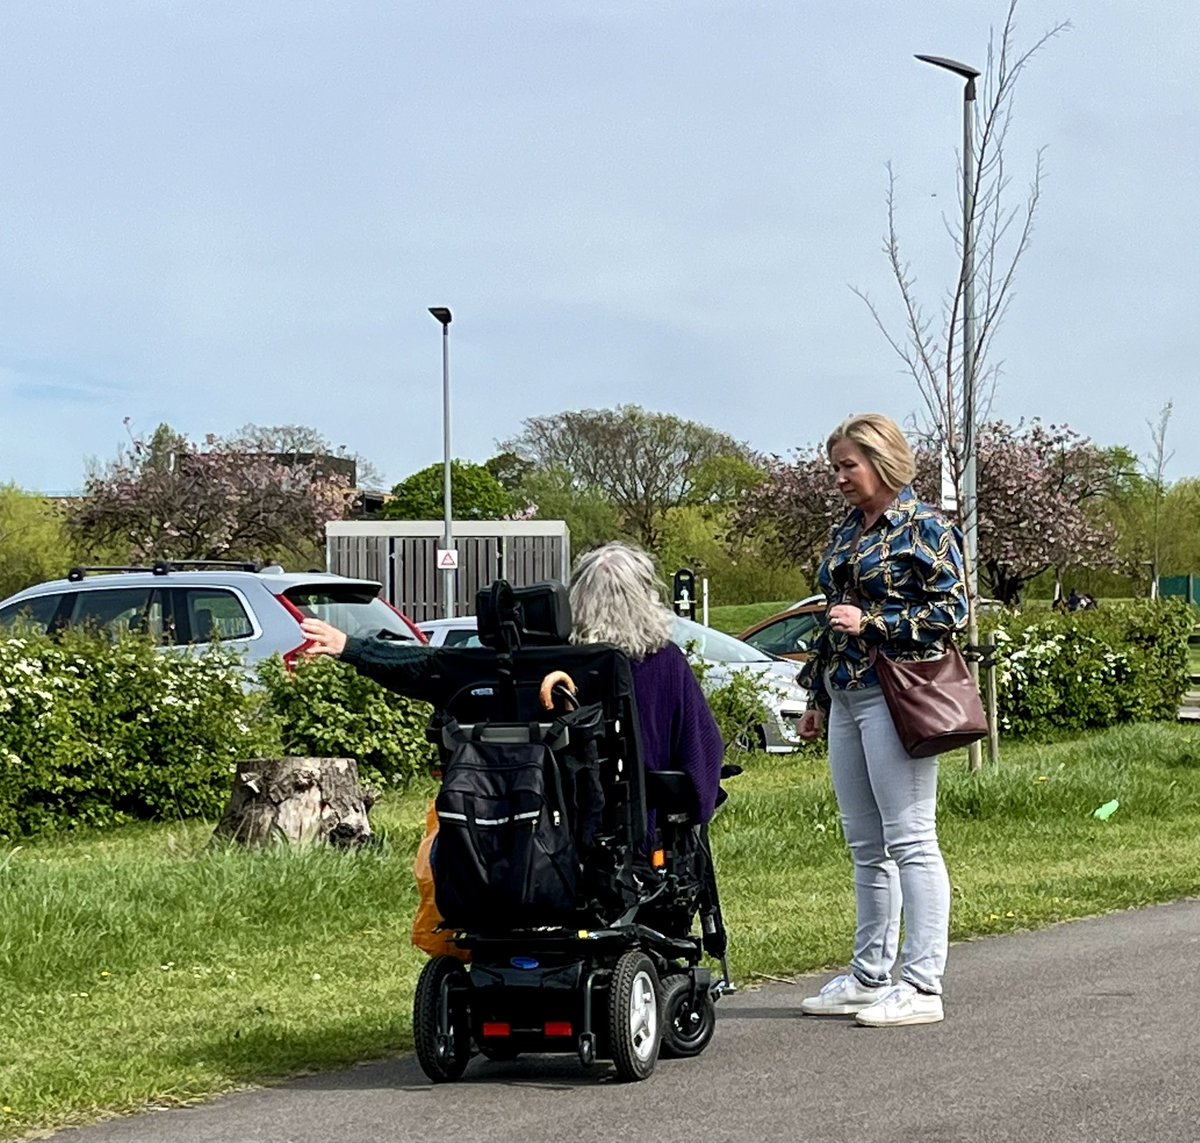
(687, 1026)
(633, 1025)
(441, 1019)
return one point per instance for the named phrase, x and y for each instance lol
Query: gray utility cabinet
(402, 555)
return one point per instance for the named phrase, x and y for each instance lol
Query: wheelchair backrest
(495, 696)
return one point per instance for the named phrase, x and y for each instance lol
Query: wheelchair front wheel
(687, 1026)
(633, 1025)
(441, 1019)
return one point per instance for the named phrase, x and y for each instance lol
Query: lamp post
(969, 513)
(969, 507)
(444, 317)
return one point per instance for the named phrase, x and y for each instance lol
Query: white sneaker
(903, 1004)
(842, 996)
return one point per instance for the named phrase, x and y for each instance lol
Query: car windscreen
(355, 610)
(715, 645)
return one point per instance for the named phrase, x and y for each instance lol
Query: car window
(786, 636)
(36, 612)
(118, 610)
(715, 645)
(355, 610)
(215, 614)
(462, 637)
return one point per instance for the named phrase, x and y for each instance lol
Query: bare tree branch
(935, 359)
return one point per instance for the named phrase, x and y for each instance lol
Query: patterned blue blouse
(906, 573)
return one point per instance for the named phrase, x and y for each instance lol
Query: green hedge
(94, 733)
(1124, 662)
(326, 709)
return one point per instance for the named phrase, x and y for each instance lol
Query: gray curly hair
(616, 597)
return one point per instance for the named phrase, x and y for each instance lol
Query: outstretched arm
(406, 668)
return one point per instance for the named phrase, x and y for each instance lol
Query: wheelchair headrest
(534, 616)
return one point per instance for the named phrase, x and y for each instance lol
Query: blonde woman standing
(893, 578)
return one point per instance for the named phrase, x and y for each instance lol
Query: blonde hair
(884, 444)
(616, 598)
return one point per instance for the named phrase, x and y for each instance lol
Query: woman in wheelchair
(580, 934)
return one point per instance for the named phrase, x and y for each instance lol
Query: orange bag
(425, 932)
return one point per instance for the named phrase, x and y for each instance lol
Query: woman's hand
(324, 638)
(846, 619)
(812, 723)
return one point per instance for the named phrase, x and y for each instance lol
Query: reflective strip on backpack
(529, 815)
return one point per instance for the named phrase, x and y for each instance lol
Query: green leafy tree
(749, 570)
(591, 518)
(643, 463)
(1141, 509)
(475, 493)
(510, 470)
(34, 543)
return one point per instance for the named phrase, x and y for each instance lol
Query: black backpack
(515, 822)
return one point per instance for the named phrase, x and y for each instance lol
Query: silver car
(254, 612)
(723, 654)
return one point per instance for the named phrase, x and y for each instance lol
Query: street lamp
(969, 506)
(443, 315)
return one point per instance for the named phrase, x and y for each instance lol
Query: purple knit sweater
(678, 730)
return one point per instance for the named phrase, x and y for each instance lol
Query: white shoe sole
(868, 1021)
(833, 1010)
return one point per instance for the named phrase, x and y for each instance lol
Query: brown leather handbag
(934, 703)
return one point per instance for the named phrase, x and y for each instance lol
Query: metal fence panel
(405, 562)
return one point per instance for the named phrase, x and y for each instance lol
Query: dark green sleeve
(407, 668)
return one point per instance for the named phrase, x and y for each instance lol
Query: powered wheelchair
(570, 875)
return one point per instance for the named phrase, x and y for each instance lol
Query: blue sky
(216, 213)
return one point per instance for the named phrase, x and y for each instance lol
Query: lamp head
(965, 70)
(442, 314)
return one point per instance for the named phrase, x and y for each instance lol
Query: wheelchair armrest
(671, 792)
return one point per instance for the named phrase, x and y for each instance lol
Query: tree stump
(303, 801)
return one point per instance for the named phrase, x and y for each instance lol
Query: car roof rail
(162, 567)
(165, 567)
(77, 573)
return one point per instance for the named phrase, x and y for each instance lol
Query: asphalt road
(1084, 1031)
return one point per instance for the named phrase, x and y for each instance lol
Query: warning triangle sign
(447, 559)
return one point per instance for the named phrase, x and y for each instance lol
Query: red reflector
(497, 1029)
(557, 1028)
(290, 657)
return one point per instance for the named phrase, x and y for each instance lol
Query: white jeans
(888, 806)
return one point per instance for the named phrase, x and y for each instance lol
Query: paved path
(1084, 1031)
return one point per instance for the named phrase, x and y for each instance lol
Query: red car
(789, 633)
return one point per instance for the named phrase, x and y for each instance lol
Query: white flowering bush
(94, 732)
(1125, 662)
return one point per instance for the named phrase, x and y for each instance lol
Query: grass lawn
(734, 618)
(137, 968)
